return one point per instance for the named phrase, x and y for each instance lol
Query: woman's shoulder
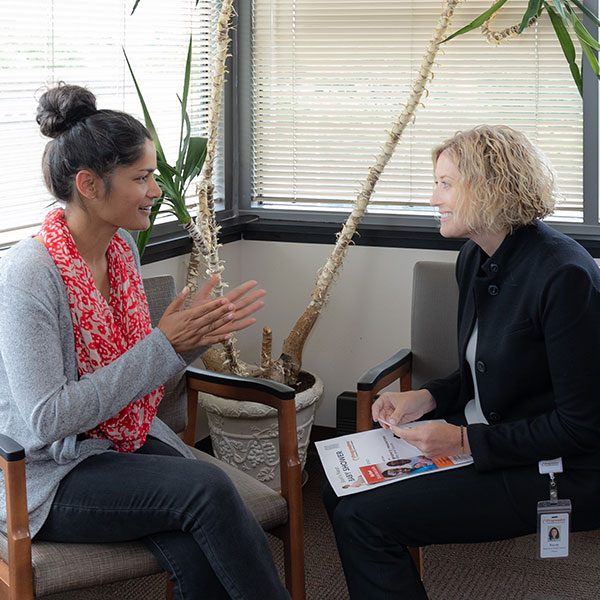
(26, 255)
(559, 251)
(28, 264)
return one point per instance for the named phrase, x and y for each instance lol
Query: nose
(434, 200)
(154, 190)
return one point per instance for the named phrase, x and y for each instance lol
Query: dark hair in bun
(62, 107)
(84, 138)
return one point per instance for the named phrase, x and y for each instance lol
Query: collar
(511, 246)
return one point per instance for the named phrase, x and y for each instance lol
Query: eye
(143, 178)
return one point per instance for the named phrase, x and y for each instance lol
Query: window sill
(176, 242)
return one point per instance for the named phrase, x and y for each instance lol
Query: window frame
(240, 185)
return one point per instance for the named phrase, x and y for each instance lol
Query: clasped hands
(209, 321)
(433, 438)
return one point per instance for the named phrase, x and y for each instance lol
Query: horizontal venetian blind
(43, 42)
(329, 79)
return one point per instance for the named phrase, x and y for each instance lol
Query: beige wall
(366, 320)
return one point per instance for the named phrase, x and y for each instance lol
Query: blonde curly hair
(504, 180)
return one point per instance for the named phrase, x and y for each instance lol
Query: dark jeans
(187, 512)
(373, 528)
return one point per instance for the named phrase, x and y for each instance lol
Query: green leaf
(591, 57)
(559, 8)
(195, 158)
(567, 46)
(184, 98)
(147, 118)
(585, 37)
(532, 10)
(586, 11)
(480, 20)
(133, 10)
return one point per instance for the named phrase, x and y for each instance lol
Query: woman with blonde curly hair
(525, 389)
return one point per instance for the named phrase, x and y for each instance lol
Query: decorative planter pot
(245, 434)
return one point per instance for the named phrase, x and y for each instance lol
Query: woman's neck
(92, 241)
(489, 241)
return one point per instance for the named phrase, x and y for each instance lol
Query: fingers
(224, 332)
(239, 291)
(206, 290)
(178, 301)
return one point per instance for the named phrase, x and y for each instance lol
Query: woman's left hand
(435, 438)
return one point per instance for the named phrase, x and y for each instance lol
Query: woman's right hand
(209, 321)
(397, 408)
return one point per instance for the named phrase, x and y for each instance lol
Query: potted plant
(287, 367)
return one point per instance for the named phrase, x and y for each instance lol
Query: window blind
(329, 79)
(43, 42)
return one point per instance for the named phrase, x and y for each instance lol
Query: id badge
(554, 522)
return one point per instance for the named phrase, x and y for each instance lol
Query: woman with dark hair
(81, 368)
(525, 390)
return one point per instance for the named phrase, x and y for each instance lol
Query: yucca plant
(286, 368)
(565, 22)
(174, 180)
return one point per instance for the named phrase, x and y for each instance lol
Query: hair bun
(62, 107)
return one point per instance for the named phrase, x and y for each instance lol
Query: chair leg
(169, 595)
(416, 553)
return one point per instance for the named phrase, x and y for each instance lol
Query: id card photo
(554, 535)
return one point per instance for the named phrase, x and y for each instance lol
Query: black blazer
(537, 302)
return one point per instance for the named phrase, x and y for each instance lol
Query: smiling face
(129, 198)
(447, 197)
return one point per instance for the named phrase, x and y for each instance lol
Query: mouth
(445, 216)
(146, 209)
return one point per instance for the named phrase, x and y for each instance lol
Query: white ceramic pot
(245, 434)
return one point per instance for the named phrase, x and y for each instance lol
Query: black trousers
(186, 511)
(373, 528)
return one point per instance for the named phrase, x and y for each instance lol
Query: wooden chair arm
(17, 575)
(283, 399)
(377, 378)
(10, 450)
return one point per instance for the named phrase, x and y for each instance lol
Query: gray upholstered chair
(56, 571)
(433, 351)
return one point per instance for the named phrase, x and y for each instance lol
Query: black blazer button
(494, 267)
(494, 417)
(481, 366)
(493, 290)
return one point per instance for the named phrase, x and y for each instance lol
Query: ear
(88, 184)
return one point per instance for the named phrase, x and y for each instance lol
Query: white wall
(366, 320)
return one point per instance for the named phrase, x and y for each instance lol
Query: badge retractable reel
(554, 516)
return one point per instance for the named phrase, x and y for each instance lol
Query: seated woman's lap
(113, 497)
(455, 506)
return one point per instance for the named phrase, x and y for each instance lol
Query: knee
(352, 519)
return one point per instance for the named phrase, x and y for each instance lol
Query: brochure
(361, 461)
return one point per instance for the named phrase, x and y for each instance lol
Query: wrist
(429, 402)
(465, 448)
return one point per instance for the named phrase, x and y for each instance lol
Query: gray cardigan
(44, 403)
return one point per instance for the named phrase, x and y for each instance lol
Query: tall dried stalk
(288, 365)
(206, 249)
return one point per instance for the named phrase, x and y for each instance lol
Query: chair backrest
(160, 291)
(433, 321)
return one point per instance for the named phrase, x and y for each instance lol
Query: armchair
(433, 350)
(42, 569)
